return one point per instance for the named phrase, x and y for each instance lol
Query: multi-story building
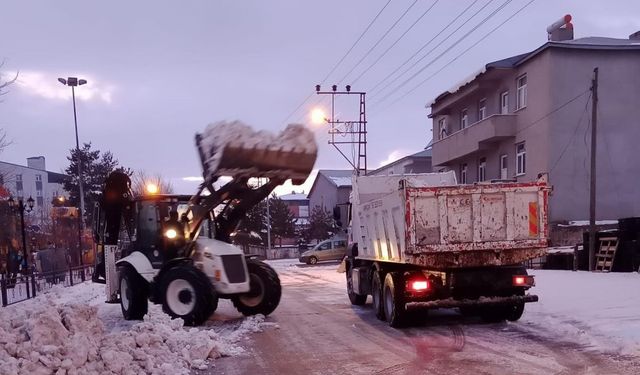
(298, 204)
(531, 114)
(330, 190)
(33, 180)
(420, 162)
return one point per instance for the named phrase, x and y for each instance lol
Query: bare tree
(4, 83)
(141, 179)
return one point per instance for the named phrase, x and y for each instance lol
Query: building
(331, 189)
(33, 180)
(298, 204)
(530, 114)
(420, 162)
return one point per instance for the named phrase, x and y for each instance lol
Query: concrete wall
(618, 172)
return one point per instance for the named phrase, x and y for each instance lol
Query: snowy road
(321, 333)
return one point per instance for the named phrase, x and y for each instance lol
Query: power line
(406, 81)
(554, 111)
(379, 40)
(463, 52)
(575, 132)
(429, 42)
(396, 41)
(341, 59)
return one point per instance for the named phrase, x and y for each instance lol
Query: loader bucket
(234, 149)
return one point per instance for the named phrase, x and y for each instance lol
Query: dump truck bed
(429, 221)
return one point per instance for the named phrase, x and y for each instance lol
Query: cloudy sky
(160, 71)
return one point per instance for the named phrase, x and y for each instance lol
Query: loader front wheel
(187, 293)
(134, 294)
(264, 293)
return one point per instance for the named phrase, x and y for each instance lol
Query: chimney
(36, 162)
(635, 36)
(561, 30)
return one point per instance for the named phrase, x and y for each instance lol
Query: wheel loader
(175, 250)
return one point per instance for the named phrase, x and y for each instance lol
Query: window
(38, 177)
(18, 177)
(482, 168)
(324, 246)
(463, 173)
(339, 244)
(504, 103)
(442, 128)
(39, 201)
(521, 160)
(521, 95)
(503, 167)
(1, 179)
(464, 119)
(38, 193)
(482, 109)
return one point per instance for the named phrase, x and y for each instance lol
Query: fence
(17, 288)
(283, 252)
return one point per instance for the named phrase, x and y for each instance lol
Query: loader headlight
(171, 234)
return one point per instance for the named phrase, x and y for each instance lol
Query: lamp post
(20, 208)
(73, 82)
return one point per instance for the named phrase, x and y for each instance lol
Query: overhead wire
(575, 132)
(379, 41)
(396, 42)
(449, 48)
(341, 59)
(463, 52)
(373, 89)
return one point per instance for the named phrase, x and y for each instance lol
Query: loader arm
(237, 196)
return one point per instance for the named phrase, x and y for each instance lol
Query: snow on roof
(293, 197)
(341, 181)
(340, 177)
(584, 223)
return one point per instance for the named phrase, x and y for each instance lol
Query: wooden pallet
(606, 254)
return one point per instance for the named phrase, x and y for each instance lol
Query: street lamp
(73, 82)
(20, 208)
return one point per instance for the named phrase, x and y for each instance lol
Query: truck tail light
(523, 280)
(419, 285)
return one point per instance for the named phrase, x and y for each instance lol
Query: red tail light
(419, 285)
(523, 280)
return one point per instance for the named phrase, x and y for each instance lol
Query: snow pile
(222, 135)
(49, 335)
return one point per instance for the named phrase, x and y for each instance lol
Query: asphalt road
(321, 333)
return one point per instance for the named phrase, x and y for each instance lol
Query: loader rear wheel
(356, 299)
(264, 293)
(134, 294)
(395, 310)
(187, 293)
(376, 294)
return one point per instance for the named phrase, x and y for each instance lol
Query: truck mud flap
(482, 301)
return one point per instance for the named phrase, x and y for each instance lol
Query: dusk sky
(160, 71)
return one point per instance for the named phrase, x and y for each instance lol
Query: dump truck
(175, 250)
(420, 242)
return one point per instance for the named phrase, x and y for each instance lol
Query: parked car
(333, 249)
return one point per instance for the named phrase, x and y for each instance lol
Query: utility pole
(268, 226)
(352, 132)
(592, 187)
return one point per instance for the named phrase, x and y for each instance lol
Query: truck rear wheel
(134, 294)
(395, 310)
(264, 293)
(376, 294)
(187, 293)
(356, 299)
(514, 312)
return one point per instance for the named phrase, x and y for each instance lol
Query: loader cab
(158, 227)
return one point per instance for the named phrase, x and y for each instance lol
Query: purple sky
(159, 71)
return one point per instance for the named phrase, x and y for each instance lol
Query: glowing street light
(152, 188)
(317, 116)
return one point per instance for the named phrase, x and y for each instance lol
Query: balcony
(474, 138)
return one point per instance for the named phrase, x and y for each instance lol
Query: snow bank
(74, 333)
